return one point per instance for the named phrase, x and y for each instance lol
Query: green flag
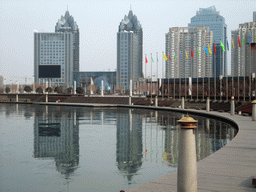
(175, 57)
(223, 47)
(152, 59)
(243, 41)
(198, 52)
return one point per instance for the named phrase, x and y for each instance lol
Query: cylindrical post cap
(187, 122)
(254, 102)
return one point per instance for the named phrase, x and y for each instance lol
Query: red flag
(169, 57)
(214, 48)
(146, 60)
(192, 54)
(239, 42)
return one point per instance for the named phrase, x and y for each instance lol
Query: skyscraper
(66, 24)
(243, 56)
(54, 49)
(179, 42)
(129, 51)
(216, 23)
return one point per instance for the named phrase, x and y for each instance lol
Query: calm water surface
(52, 148)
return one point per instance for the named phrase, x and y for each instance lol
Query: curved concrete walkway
(229, 169)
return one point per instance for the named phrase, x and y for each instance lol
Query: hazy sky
(98, 23)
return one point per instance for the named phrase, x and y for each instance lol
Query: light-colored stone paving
(229, 169)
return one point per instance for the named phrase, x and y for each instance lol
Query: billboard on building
(49, 71)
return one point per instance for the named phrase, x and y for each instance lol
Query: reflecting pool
(57, 148)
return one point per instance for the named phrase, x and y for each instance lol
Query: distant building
(254, 16)
(54, 49)
(179, 41)
(243, 59)
(216, 23)
(66, 24)
(1, 82)
(129, 51)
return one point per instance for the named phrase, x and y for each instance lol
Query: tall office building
(216, 23)
(1, 82)
(243, 59)
(179, 41)
(129, 51)
(254, 16)
(54, 49)
(66, 24)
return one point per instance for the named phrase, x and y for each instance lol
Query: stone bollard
(156, 102)
(17, 98)
(254, 110)
(182, 103)
(187, 169)
(46, 98)
(232, 108)
(208, 104)
(130, 100)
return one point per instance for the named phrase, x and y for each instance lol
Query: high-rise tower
(243, 56)
(216, 23)
(129, 51)
(67, 24)
(180, 42)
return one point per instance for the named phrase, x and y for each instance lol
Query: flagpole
(244, 69)
(157, 72)
(238, 90)
(215, 77)
(174, 78)
(220, 76)
(151, 77)
(162, 84)
(250, 75)
(145, 75)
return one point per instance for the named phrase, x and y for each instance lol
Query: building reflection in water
(211, 135)
(56, 135)
(129, 142)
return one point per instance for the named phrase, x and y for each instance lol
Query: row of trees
(58, 90)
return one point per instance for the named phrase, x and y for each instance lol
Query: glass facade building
(216, 23)
(54, 49)
(129, 51)
(67, 24)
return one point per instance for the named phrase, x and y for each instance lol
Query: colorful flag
(209, 48)
(227, 46)
(215, 48)
(164, 56)
(175, 57)
(186, 55)
(222, 46)
(243, 41)
(206, 50)
(146, 60)
(152, 59)
(198, 52)
(233, 44)
(239, 41)
(192, 54)
(169, 57)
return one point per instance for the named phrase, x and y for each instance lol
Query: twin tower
(62, 49)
